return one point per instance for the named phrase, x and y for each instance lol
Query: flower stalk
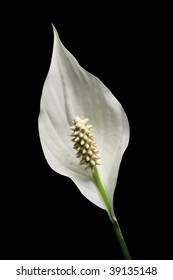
(115, 224)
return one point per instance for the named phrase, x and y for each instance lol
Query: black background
(43, 215)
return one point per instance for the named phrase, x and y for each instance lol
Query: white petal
(70, 91)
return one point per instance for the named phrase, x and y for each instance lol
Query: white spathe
(71, 91)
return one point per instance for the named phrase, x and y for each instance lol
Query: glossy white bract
(71, 91)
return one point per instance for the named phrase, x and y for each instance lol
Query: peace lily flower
(76, 102)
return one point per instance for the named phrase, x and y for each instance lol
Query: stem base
(106, 200)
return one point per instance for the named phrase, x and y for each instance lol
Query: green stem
(116, 227)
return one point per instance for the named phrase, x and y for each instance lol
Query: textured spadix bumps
(84, 142)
